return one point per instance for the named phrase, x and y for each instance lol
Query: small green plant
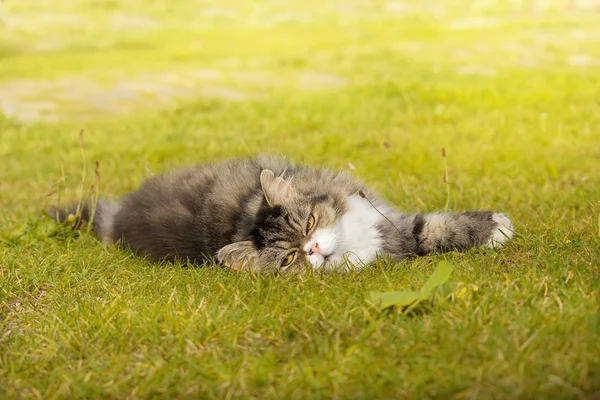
(446, 182)
(437, 286)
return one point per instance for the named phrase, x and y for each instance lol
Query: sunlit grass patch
(510, 92)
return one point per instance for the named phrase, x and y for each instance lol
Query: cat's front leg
(461, 231)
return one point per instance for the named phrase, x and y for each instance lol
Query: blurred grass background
(93, 58)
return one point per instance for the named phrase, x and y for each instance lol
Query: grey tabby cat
(267, 214)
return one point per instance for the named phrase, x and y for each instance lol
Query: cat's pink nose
(315, 249)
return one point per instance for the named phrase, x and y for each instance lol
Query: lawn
(510, 90)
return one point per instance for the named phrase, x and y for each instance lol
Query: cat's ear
(276, 189)
(239, 256)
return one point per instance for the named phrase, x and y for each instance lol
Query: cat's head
(293, 231)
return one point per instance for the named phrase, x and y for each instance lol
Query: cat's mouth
(332, 263)
(319, 261)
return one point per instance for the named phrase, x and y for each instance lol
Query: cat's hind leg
(461, 231)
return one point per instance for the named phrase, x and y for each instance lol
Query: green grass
(510, 92)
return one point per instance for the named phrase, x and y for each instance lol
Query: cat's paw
(502, 233)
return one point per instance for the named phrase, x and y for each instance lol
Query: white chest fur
(360, 240)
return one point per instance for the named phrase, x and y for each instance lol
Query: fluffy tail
(102, 218)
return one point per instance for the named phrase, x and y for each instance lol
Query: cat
(267, 214)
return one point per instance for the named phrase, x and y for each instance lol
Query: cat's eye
(288, 260)
(311, 223)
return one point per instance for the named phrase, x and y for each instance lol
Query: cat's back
(229, 179)
(194, 211)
